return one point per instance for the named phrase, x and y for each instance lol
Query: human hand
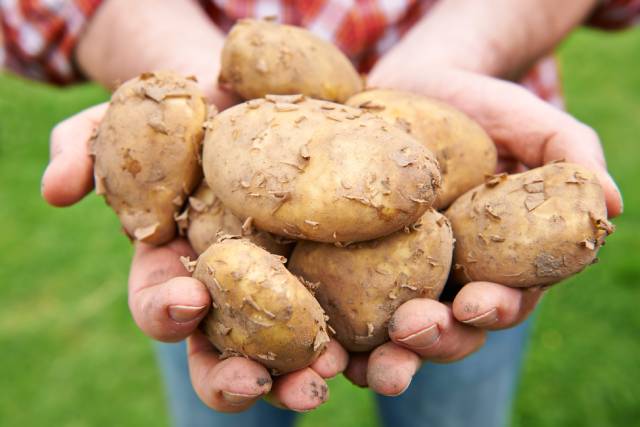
(168, 305)
(165, 303)
(528, 133)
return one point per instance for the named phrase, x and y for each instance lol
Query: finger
(356, 371)
(230, 385)
(428, 328)
(332, 361)
(391, 368)
(492, 306)
(165, 303)
(581, 144)
(69, 176)
(299, 391)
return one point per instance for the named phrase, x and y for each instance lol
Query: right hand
(167, 304)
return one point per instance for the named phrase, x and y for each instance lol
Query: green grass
(72, 356)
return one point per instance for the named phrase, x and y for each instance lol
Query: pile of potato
(321, 207)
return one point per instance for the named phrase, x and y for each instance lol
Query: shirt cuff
(615, 14)
(40, 37)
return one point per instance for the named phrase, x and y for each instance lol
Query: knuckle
(144, 310)
(590, 132)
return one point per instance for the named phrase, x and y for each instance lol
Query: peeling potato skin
(207, 220)
(530, 229)
(261, 57)
(464, 151)
(260, 310)
(147, 152)
(316, 170)
(360, 286)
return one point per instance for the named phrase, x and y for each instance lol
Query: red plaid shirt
(40, 35)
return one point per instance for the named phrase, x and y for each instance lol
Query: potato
(531, 229)
(147, 152)
(316, 170)
(360, 286)
(260, 310)
(206, 220)
(463, 149)
(261, 57)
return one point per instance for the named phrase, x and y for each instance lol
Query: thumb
(69, 175)
(578, 143)
(529, 129)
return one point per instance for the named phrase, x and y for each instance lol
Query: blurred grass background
(70, 355)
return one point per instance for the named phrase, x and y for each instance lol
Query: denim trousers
(477, 391)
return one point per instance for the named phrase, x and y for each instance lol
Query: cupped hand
(524, 128)
(528, 133)
(168, 305)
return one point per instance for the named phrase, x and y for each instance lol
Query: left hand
(528, 133)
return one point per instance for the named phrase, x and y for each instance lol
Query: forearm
(495, 37)
(125, 38)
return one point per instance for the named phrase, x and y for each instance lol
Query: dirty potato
(206, 220)
(530, 229)
(260, 310)
(360, 286)
(464, 151)
(316, 170)
(147, 152)
(261, 57)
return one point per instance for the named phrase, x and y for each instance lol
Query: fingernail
(185, 313)
(238, 398)
(423, 338)
(485, 319)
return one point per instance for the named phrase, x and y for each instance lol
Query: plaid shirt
(40, 35)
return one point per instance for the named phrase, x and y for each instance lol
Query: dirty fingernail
(185, 313)
(238, 398)
(485, 319)
(423, 338)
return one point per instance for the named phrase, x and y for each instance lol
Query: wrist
(500, 38)
(127, 38)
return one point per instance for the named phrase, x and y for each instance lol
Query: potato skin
(360, 286)
(260, 310)
(261, 57)
(147, 152)
(531, 229)
(316, 170)
(464, 151)
(207, 220)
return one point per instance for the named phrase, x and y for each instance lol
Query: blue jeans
(476, 391)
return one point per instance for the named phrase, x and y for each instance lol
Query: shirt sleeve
(40, 37)
(615, 14)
